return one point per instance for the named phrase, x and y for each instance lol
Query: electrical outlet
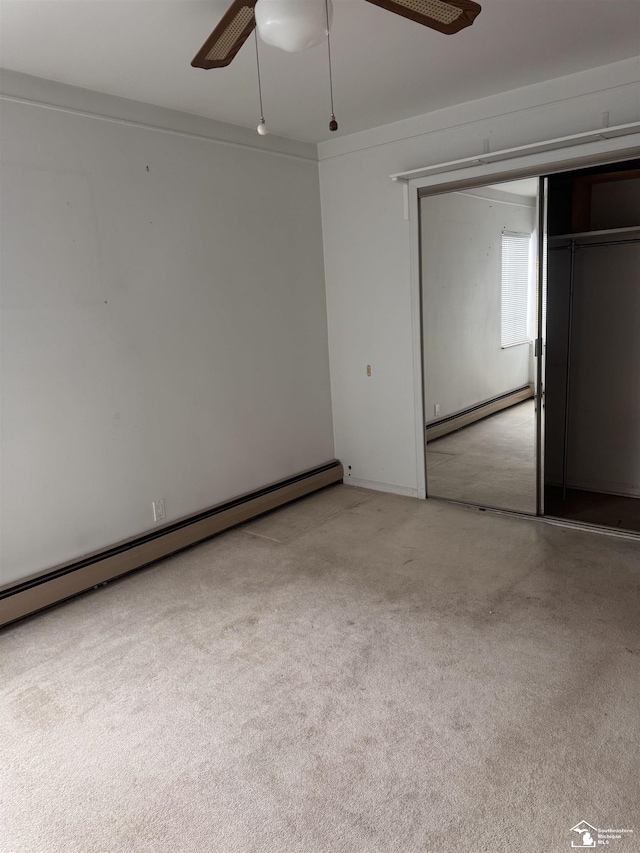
(436, 410)
(159, 512)
(368, 370)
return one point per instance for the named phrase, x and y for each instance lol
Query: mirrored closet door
(479, 315)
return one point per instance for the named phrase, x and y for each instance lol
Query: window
(515, 288)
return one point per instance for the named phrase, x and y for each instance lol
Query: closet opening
(530, 314)
(592, 352)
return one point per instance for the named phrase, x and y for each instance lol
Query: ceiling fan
(240, 19)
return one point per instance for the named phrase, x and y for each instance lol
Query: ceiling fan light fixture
(293, 25)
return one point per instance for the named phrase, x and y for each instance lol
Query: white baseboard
(622, 490)
(391, 488)
(601, 487)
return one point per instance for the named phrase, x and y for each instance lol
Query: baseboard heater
(436, 429)
(65, 581)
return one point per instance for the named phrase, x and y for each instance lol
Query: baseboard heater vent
(69, 579)
(437, 429)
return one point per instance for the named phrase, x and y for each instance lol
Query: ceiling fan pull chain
(333, 124)
(262, 126)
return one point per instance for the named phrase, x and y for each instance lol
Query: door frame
(537, 164)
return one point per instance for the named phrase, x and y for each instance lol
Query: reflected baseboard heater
(436, 429)
(65, 581)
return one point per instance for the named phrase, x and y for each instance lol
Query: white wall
(603, 446)
(461, 238)
(163, 320)
(604, 403)
(367, 248)
(615, 204)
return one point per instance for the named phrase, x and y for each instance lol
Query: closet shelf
(605, 232)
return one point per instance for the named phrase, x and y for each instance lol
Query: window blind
(515, 288)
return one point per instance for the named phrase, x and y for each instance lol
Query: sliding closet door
(479, 295)
(540, 344)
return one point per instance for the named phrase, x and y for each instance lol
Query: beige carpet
(355, 673)
(489, 463)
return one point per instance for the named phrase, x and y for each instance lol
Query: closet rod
(596, 245)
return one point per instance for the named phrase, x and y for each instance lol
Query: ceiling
(385, 67)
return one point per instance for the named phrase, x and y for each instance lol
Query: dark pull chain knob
(333, 124)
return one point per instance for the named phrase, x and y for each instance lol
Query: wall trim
(36, 92)
(67, 580)
(417, 336)
(376, 486)
(604, 487)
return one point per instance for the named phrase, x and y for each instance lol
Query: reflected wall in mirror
(478, 255)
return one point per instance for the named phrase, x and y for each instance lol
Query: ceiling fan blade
(225, 41)
(446, 16)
